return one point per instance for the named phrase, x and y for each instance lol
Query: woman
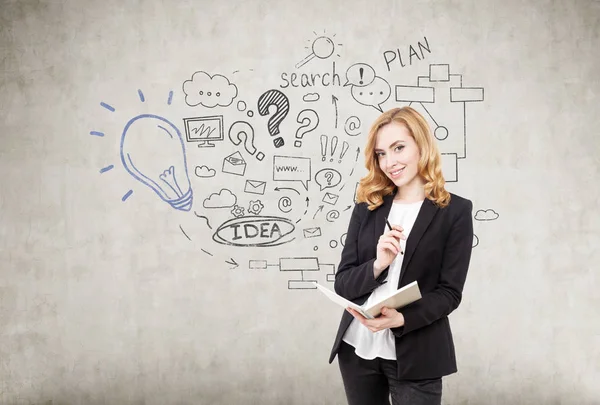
(403, 353)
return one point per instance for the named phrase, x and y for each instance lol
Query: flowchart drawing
(304, 270)
(442, 98)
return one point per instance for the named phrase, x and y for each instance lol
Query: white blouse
(367, 344)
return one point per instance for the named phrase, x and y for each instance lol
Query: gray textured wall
(111, 295)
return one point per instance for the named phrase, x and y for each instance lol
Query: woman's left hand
(389, 318)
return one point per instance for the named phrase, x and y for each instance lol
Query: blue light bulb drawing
(153, 152)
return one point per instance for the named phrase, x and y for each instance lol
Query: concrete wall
(112, 292)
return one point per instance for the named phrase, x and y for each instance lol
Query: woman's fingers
(397, 234)
(390, 246)
(387, 238)
(390, 239)
(394, 233)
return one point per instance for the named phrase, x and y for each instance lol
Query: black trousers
(372, 382)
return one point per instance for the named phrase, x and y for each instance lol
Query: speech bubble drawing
(210, 91)
(327, 178)
(360, 74)
(374, 94)
(292, 168)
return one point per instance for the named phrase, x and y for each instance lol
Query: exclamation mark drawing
(334, 142)
(345, 147)
(323, 147)
(361, 71)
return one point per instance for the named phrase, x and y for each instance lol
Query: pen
(390, 226)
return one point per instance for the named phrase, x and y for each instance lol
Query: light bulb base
(184, 203)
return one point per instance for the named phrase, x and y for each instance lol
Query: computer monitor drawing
(204, 130)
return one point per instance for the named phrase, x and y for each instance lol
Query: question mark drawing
(279, 100)
(329, 177)
(309, 120)
(241, 129)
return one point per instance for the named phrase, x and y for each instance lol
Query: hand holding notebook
(397, 299)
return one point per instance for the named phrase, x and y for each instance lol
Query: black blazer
(438, 251)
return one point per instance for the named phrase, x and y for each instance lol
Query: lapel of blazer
(426, 214)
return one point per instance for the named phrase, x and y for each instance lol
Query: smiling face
(402, 158)
(398, 155)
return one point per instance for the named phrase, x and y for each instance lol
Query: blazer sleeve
(448, 294)
(354, 279)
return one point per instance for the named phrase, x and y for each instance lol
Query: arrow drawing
(232, 262)
(305, 211)
(286, 188)
(355, 160)
(353, 167)
(334, 100)
(318, 210)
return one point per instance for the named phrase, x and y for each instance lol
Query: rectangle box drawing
(415, 94)
(450, 167)
(299, 263)
(439, 73)
(466, 94)
(257, 264)
(301, 285)
(329, 270)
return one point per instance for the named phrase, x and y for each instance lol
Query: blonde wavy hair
(376, 184)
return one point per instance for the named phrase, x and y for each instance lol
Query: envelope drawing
(234, 164)
(330, 198)
(311, 232)
(255, 187)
